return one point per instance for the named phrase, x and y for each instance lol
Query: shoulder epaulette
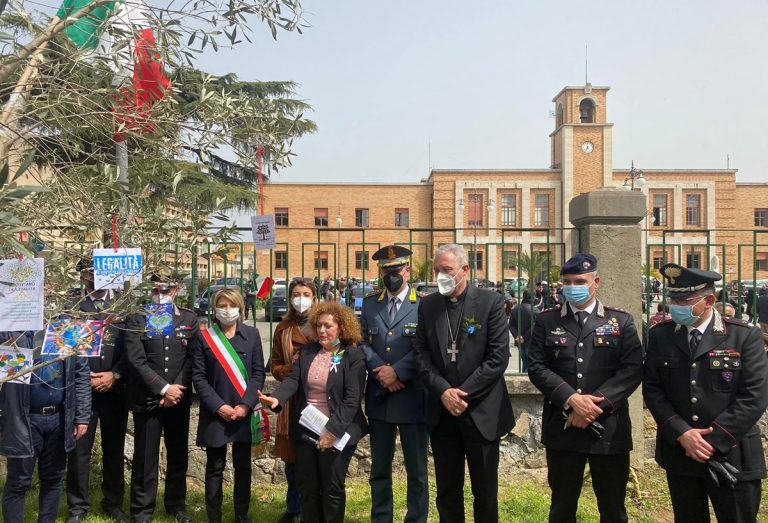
(551, 309)
(382, 295)
(374, 293)
(615, 309)
(738, 322)
(662, 322)
(412, 295)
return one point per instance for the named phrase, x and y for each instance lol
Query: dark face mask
(393, 281)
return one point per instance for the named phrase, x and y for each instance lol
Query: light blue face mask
(683, 314)
(576, 294)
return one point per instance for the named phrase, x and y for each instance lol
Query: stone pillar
(609, 219)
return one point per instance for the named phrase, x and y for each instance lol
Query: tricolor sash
(235, 369)
(227, 357)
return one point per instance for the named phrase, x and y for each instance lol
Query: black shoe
(182, 517)
(78, 518)
(243, 519)
(117, 514)
(287, 517)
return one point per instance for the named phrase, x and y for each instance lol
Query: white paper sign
(112, 269)
(263, 228)
(14, 360)
(21, 294)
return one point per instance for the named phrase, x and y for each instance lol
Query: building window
(401, 218)
(281, 260)
(559, 119)
(321, 260)
(660, 210)
(476, 256)
(658, 261)
(508, 210)
(361, 260)
(587, 111)
(475, 210)
(693, 260)
(321, 217)
(541, 210)
(361, 217)
(761, 217)
(509, 260)
(761, 261)
(693, 209)
(281, 216)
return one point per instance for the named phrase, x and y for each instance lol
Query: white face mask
(301, 304)
(162, 299)
(227, 316)
(446, 284)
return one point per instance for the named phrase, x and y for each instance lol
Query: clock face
(587, 147)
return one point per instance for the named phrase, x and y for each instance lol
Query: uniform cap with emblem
(392, 257)
(579, 263)
(682, 281)
(84, 264)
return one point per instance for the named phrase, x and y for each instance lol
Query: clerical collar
(458, 298)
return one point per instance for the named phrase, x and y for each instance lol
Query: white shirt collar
(703, 327)
(402, 294)
(588, 309)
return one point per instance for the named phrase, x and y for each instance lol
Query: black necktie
(581, 317)
(693, 343)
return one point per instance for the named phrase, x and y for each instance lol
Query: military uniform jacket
(604, 357)
(157, 361)
(483, 357)
(723, 385)
(391, 343)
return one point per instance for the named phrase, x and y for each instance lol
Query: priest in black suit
(462, 342)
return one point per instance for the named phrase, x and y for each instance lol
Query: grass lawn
(523, 497)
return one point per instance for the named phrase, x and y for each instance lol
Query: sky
(472, 82)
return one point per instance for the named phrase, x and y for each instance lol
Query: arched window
(587, 111)
(559, 118)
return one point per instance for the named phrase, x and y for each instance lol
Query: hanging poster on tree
(112, 268)
(68, 335)
(21, 294)
(263, 228)
(14, 360)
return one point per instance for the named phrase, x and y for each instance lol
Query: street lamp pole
(635, 177)
(476, 199)
(338, 245)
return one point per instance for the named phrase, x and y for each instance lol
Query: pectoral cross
(453, 351)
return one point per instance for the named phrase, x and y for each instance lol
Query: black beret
(579, 263)
(682, 280)
(392, 256)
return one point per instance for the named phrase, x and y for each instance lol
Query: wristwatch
(116, 375)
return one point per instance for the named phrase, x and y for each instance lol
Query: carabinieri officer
(706, 384)
(395, 398)
(586, 358)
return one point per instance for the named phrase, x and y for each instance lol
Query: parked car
(230, 282)
(202, 302)
(426, 287)
(276, 305)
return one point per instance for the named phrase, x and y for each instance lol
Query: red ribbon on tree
(260, 163)
(22, 239)
(114, 232)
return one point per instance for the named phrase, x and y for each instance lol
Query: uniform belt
(46, 411)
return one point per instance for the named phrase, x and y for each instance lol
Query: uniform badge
(563, 340)
(558, 331)
(715, 363)
(727, 376)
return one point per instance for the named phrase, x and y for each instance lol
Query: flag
(138, 68)
(85, 32)
(265, 289)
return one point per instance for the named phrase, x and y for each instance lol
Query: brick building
(335, 227)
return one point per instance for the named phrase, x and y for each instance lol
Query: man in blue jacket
(39, 425)
(395, 399)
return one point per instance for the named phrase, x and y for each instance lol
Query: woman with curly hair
(329, 375)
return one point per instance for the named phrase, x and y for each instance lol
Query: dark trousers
(413, 439)
(453, 439)
(111, 412)
(292, 503)
(214, 478)
(321, 477)
(172, 423)
(610, 474)
(689, 500)
(48, 448)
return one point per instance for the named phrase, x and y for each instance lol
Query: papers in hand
(314, 420)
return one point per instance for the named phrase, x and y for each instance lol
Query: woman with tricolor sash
(293, 332)
(228, 373)
(328, 379)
